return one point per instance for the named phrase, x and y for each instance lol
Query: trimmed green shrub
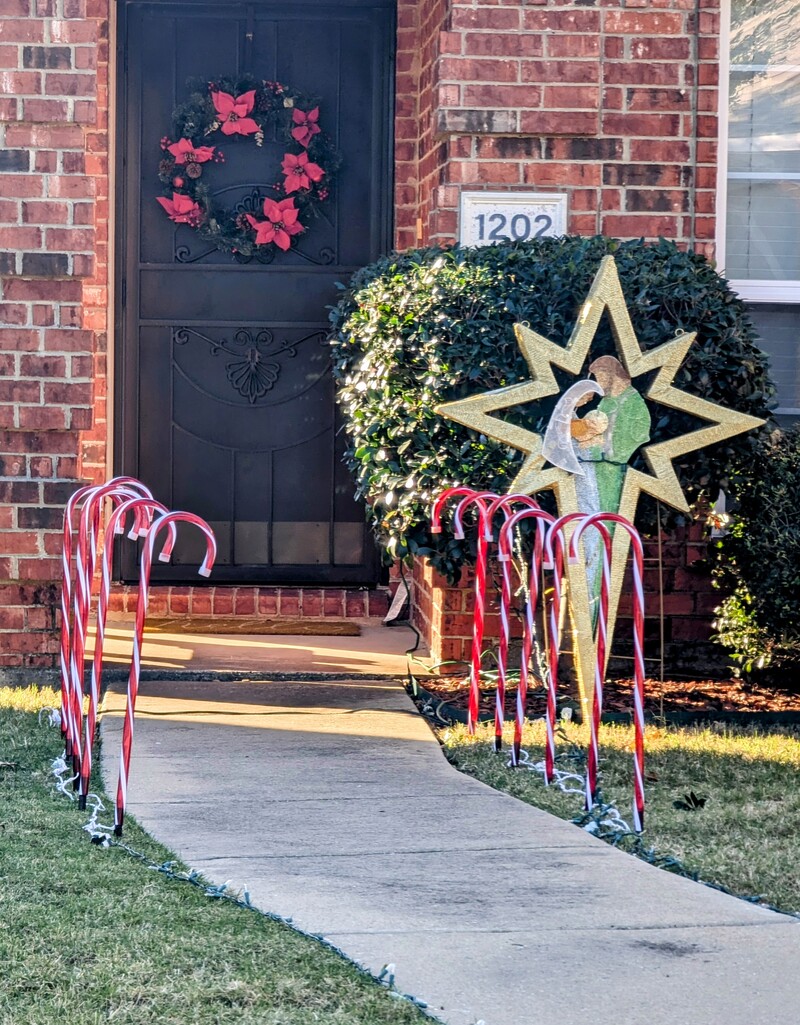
(427, 326)
(759, 562)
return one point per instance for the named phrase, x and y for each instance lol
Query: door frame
(119, 443)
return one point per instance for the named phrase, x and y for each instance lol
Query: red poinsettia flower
(182, 209)
(305, 125)
(233, 111)
(280, 225)
(184, 152)
(300, 172)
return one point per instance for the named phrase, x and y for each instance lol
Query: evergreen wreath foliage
(432, 325)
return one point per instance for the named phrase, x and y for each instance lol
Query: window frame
(753, 290)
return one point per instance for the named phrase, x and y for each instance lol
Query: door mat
(236, 625)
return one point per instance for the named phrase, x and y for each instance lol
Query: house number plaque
(489, 217)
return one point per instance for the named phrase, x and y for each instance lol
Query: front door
(224, 392)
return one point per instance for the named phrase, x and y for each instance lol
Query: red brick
(244, 603)
(24, 185)
(563, 123)
(45, 110)
(355, 605)
(70, 84)
(571, 97)
(45, 213)
(289, 602)
(637, 23)
(522, 44)
(577, 72)
(28, 30)
(267, 603)
(71, 186)
(496, 18)
(40, 290)
(572, 21)
(561, 45)
(20, 238)
(638, 226)
(45, 136)
(41, 418)
(638, 124)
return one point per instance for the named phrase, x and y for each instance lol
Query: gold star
(541, 355)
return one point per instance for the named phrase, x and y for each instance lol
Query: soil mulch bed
(681, 697)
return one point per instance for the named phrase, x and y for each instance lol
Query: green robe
(628, 429)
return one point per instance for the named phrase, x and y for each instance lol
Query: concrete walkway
(333, 804)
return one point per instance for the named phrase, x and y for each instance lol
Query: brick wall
(612, 103)
(53, 272)
(677, 587)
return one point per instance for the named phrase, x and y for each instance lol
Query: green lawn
(744, 838)
(91, 935)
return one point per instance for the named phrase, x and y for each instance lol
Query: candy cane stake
(505, 543)
(502, 505)
(86, 556)
(439, 504)
(638, 662)
(141, 611)
(478, 498)
(66, 602)
(554, 557)
(601, 646)
(115, 525)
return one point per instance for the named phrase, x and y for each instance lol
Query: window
(759, 210)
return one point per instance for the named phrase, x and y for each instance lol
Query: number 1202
(520, 227)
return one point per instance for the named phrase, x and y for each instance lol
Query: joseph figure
(628, 428)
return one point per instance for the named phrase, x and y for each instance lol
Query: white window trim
(752, 290)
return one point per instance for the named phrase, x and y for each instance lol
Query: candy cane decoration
(141, 612)
(66, 603)
(638, 650)
(478, 498)
(554, 556)
(601, 646)
(66, 598)
(505, 544)
(439, 504)
(86, 557)
(502, 505)
(115, 525)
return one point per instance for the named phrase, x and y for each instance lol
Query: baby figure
(587, 430)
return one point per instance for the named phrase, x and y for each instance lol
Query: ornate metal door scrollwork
(252, 369)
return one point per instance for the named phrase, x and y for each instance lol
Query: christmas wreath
(236, 110)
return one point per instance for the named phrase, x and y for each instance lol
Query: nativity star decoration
(542, 355)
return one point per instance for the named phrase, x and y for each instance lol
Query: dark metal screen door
(258, 457)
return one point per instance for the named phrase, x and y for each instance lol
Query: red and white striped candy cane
(481, 499)
(141, 611)
(441, 500)
(506, 543)
(638, 659)
(600, 643)
(73, 502)
(503, 504)
(554, 556)
(115, 525)
(86, 556)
